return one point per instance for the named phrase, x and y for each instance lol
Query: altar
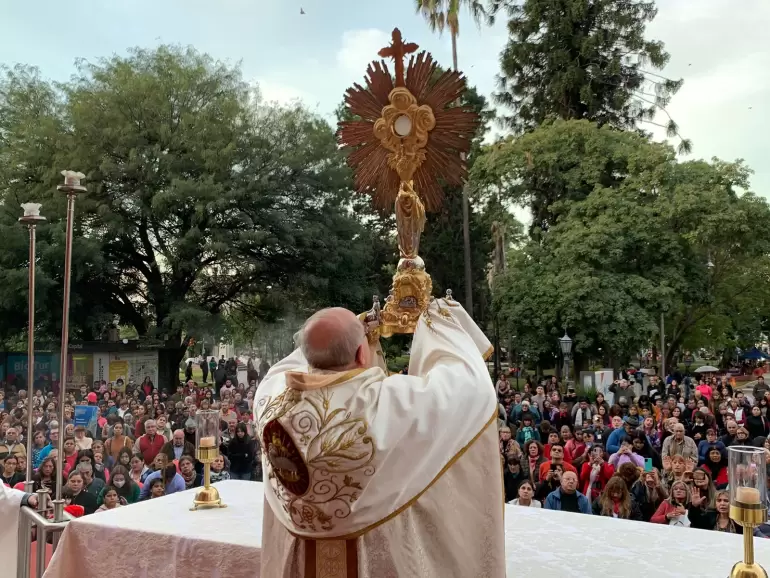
(162, 537)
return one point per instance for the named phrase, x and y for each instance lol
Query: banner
(85, 415)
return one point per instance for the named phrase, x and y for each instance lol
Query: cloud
(359, 48)
(283, 94)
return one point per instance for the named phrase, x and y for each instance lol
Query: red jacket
(659, 517)
(150, 449)
(605, 473)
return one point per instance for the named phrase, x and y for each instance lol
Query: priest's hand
(32, 501)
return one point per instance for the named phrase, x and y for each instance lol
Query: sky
(719, 47)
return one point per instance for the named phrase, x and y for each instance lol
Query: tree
(578, 59)
(549, 169)
(442, 14)
(660, 235)
(200, 197)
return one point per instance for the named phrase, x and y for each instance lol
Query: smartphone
(648, 464)
(553, 467)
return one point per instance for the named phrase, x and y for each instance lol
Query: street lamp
(566, 349)
(31, 219)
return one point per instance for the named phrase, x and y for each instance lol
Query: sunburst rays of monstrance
(409, 138)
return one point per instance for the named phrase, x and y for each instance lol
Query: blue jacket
(703, 448)
(553, 502)
(613, 442)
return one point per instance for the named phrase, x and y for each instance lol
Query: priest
(10, 502)
(370, 475)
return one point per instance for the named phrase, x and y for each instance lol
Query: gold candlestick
(748, 503)
(207, 444)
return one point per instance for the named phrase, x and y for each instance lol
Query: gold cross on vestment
(397, 50)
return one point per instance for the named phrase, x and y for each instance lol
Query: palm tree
(441, 14)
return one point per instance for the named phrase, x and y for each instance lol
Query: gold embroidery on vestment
(337, 452)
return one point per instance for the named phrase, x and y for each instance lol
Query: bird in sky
(301, 11)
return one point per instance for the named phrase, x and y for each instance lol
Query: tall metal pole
(71, 188)
(662, 350)
(31, 218)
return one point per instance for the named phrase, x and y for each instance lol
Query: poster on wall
(118, 374)
(80, 371)
(110, 367)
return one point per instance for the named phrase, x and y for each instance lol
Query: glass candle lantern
(207, 434)
(748, 485)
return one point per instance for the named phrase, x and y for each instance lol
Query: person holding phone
(595, 473)
(626, 454)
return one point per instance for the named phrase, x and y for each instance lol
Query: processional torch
(407, 139)
(72, 188)
(31, 218)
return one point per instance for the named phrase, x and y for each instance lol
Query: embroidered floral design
(338, 453)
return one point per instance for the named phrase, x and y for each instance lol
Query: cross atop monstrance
(403, 151)
(397, 51)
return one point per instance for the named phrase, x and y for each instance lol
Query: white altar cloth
(163, 538)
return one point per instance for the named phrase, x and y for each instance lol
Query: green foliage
(631, 233)
(574, 59)
(201, 199)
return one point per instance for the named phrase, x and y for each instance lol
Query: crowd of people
(655, 451)
(142, 445)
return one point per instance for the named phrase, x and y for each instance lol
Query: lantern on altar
(747, 469)
(207, 439)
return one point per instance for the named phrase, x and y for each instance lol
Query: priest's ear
(363, 355)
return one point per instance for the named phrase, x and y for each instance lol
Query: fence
(45, 529)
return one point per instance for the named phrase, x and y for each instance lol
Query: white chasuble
(376, 476)
(10, 502)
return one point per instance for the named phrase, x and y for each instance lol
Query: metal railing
(45, 528)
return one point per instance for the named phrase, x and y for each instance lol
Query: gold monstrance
(408, 139)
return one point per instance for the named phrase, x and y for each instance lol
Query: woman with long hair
(120, 480)
(717, 518)
(674, 510)
(704, 494)
(240, 452)
(138, 470)
(616, 501)
(531, 460)
(648, 493)
(124, 458)
(45, 476)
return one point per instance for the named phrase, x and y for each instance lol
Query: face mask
(119, 483)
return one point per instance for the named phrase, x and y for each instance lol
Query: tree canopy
(201, 198)
(659, 235)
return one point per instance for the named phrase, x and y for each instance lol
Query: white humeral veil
(10, 502)
(376, 476)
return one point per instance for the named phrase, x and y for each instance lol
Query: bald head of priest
(334, 339)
